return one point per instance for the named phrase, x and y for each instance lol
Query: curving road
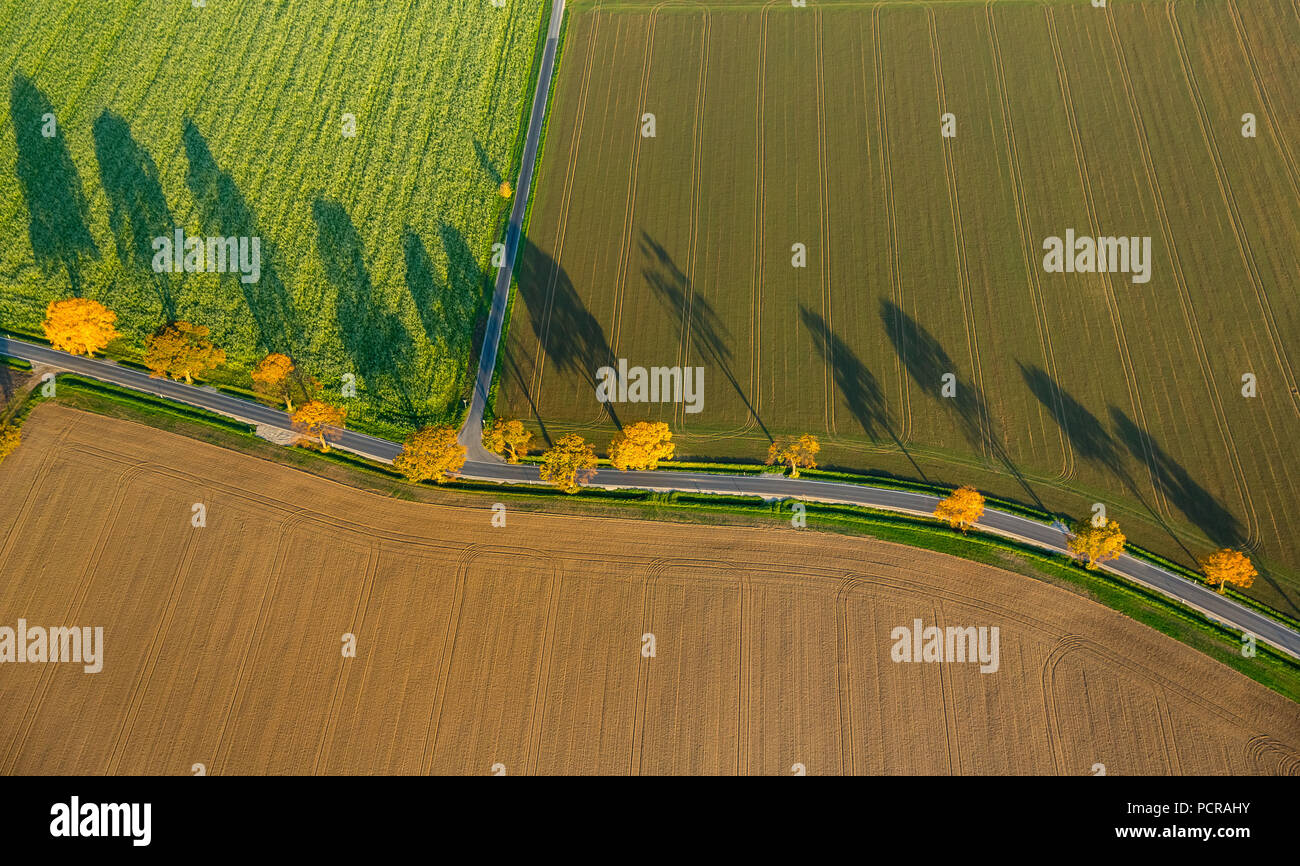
(484, 466)
(492, 469)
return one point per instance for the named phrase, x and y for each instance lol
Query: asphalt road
(471, 434)
(484, 466)
(766, 486)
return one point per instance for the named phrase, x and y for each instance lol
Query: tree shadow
(467, 285)
(855, 382)
(225, 212)
(56, 203)
(708, 335)
(570, 335)
(1089, 439)
(448, 310)
(427, 290)
(379, 345)
(926, 361)
(485, 163)
(1196, 503)
(137, 208)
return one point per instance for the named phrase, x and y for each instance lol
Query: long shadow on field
(485, 163)
(468, 287)
(55, 200)
(1089, 439)
(855, 382)
(225, 212)
(512, 372)
(570, 335)
(375, 338)
(708, 336)
(137, 208)
(926, 361)
(1196, 503)
(427, 291)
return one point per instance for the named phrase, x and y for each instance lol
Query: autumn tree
(1096, 543)
(795, 453)
(570, 463)
(271, 379)
(642, 446)
(962, 508)
(79, 325)
(505, 190)
(431, 454)
(1228, 566)
(318, 420)
(507, 438)
(10, 439)
(182, 350)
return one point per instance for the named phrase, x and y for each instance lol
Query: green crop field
(923, 255)
(228, 120)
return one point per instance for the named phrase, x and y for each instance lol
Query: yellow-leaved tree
(794, 452)
(570, 463)
(319, 420)
(510, 439)
(642, 445)
(962, 508)
(431, 454)
(1094, 543)
(10, 439)
(79, 325)
(1228, 566)
(276, 377)
(182, 350)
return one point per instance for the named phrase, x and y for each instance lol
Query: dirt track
(522, 646)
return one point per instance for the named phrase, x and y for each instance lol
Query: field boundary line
(1167, 732)
(951, 729)
(642, 693)
(1274, 127)
(1234, 214)
(288, 526)
(844, 678)
(87, 577)
(537, 715)
(887, 175)
(987, 444)
(359, 611)
(15, 530)
(566, 198)
(760, 231)
(629, 214)
(697, 159)
(1184, 295)
(1024, 222)
(1117, 324)
(449, 634)
(142, 680)
(824, 254)
(744, 654)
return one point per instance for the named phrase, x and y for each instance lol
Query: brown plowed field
(521, 647)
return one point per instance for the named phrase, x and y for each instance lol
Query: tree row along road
(484, 466)
(1013, 526)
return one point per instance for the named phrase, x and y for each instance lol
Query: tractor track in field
(1184, 294)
